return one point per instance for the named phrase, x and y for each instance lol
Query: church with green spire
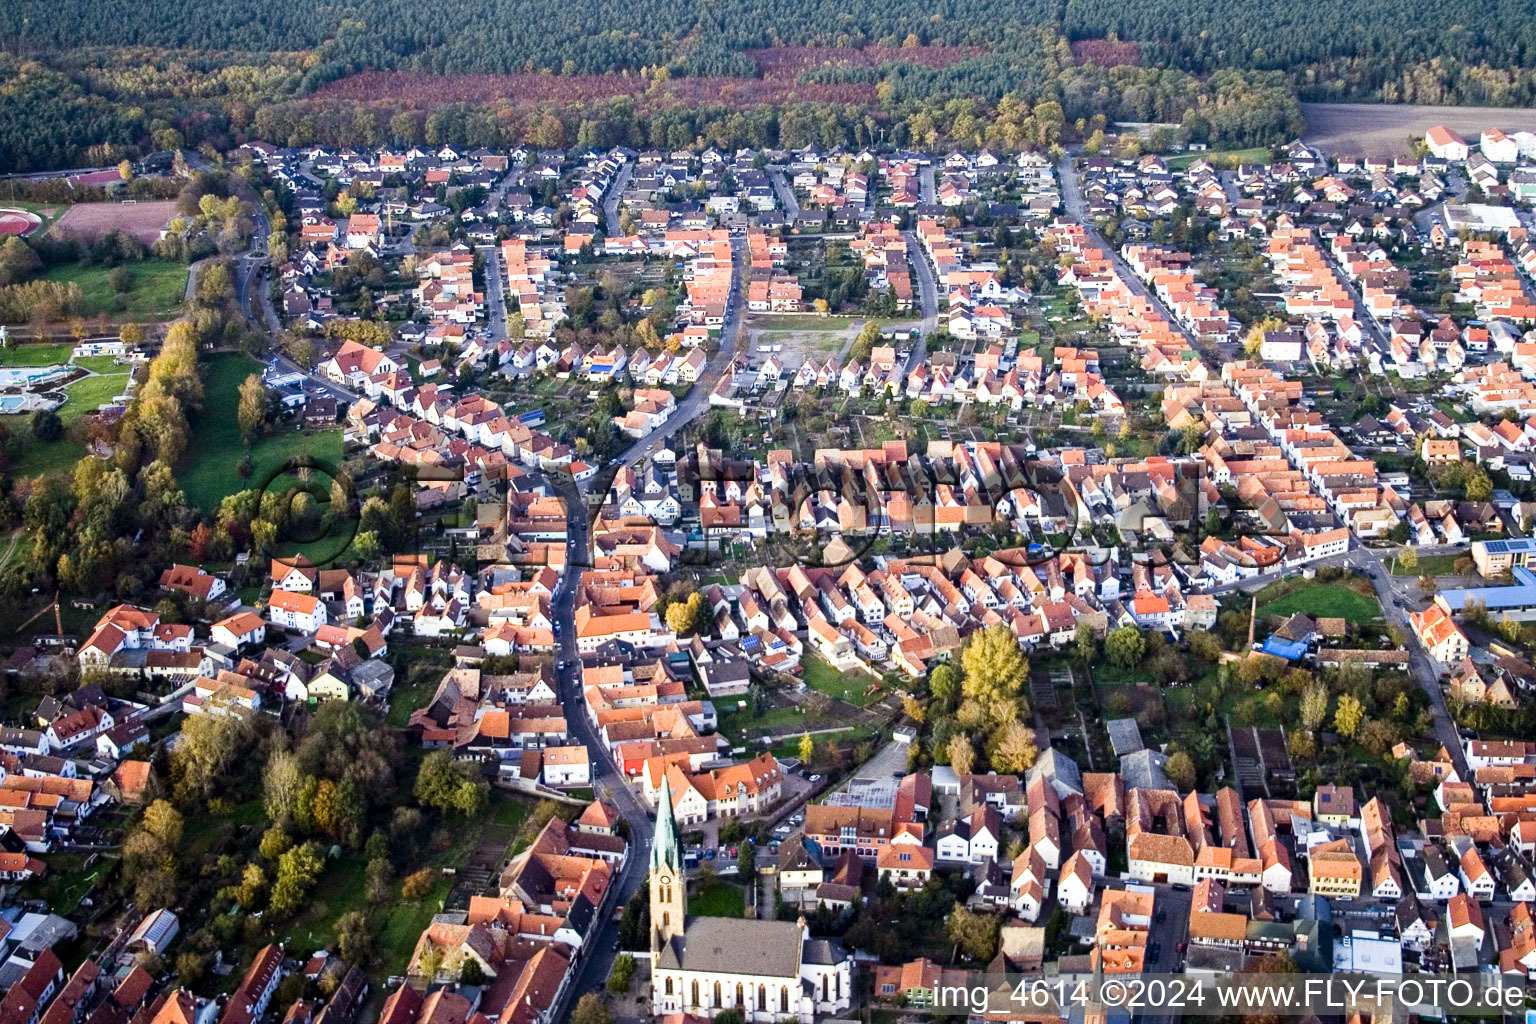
(767, 969)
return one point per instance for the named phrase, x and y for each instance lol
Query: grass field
(846, 686)
(68, 879)
(718, 899)
(1325, 599)
(1105, 673)
(35, 355)
(1221, 158)
(100, 364)
(215, 449)
(737, 724)
(1429, 565)
(157, 291)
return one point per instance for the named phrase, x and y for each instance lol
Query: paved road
(1170, 926)
(1368, 323)
(495, 291)
(193, 269)
(928, 191)
(697, 402)
(46, 175)
(606, 780)
(927, 296)
(785, 192)
(611, 199)
(1077, 208)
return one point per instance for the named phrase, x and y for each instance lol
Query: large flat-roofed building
(1497, 220)
(1514, 601)
(1497, 557)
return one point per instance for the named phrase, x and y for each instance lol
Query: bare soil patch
(1383, 129)
(88, 222)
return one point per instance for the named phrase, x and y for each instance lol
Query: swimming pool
(31, 376)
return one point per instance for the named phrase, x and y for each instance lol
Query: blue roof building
(1516, 601)
(1290, 650)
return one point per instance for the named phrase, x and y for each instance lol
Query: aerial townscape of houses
(693, 545)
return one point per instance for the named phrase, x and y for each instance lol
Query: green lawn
(405, 699)
(35, 355)
(67, 880)
(1429, 565)
(1325, 599)
(509, 812)
(846, 686)
(1221, 158)
(339, 891)
(736, 724)
(790, 745)
(101, 364)
(38, 459)
(402, 924)
(718, 899)
(209, 475)
(1106, 673)
(89, 393)
(398, 925)
(157, 290)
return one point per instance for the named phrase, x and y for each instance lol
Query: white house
(567, 766)
(1446, 144)
(239, 629)
(296, 611)
(1074, 891)
(1498, 147)
(970, 840)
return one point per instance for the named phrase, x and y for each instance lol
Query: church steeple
(665, 851)
(669, 886)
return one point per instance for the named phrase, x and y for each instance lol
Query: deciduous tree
(591, 1009)
(993, 664)
(448, 786)
(1012, 750)
(1348, 716)
(962, 756)
(1180, 770)
(1125, 646)
(251, 415)
(975, 933)
(1314, 706)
